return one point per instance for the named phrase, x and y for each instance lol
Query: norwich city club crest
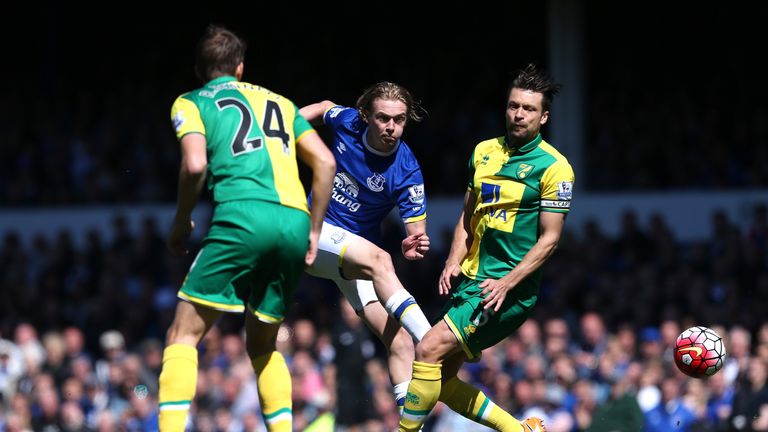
(523, 170)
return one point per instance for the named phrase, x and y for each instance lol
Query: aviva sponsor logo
(490, 193)
(412, 398)
(495, 213)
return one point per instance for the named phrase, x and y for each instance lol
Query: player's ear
(239, 71)
(363, 115)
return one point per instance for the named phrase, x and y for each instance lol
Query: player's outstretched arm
(314, 112)
(312, 151)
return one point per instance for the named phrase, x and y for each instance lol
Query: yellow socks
(422, 395)
(473, 404)
(178, 381)
(274, 381)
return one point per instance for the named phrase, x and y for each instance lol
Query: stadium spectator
(671, 413)
(354, 391)
(751, 395)
(620, 412)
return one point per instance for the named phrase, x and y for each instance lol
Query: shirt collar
(525, 148)
(221, 79)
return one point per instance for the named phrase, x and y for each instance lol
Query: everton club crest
(376, 182)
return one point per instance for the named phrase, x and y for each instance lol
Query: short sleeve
(557, 187)
(411, 199)
(339, 116)
(300, 124)
(186, 117)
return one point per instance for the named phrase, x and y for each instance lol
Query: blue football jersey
(369, 183)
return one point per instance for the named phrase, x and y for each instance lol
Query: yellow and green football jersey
(512, 186)
(251, 136)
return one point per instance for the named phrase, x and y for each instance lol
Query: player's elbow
(325, 162)
(194, 167)
(325, 106)
(314, 113)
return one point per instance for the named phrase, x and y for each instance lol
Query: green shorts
(252, 256)
(477, 328)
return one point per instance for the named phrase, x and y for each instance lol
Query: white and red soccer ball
(699, 352)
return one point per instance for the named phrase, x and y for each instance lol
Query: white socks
(404, 308)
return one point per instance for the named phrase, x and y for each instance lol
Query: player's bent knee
(402, 344)
(382, 261)
(429, 350)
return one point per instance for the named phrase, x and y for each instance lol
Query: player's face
(386, 122)
(525, 115)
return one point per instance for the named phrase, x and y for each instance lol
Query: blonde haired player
(376, 171)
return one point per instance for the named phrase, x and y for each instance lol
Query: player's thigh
(279, 262)
(331, 247)
(224, 256)
(190, 323)
(341, 253)
(363, 258)
(332, 252)
(475, 327)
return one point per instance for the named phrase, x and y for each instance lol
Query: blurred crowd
(76, 154)
(635, 142)
(659, 124)
(82, 323)
(82, 330)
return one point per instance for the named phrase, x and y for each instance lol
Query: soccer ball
(699, 352)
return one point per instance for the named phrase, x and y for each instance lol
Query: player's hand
(451, 270)
(415, 246)
(309, 258)
(177, 238)
(494, 293)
